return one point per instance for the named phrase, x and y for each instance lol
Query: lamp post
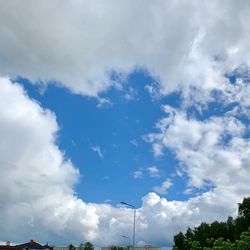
(124, 236)
(129, 205)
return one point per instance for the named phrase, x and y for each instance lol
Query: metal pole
(134, 230)
(124, 203)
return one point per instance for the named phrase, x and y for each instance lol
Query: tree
(242, 222)
(244, 242)
(179, 241)
(202, 232)
(189, 234)
(88, 246)
(234, 234)
(196, 245)
(118, 248)
(244, 208)
(230, 228)
(243, 219)
(71, 247)
(81, 247)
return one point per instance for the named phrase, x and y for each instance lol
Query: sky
(145, 102)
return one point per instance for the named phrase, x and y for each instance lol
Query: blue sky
(108, 101)
(118, 130)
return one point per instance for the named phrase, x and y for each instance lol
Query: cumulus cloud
(34, 171)
(202, 146)
(212, 152)
(37, 188)
(181, 43)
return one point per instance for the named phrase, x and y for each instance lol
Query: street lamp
(129, 205)
(124, 236)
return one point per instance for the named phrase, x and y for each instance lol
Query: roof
(6, 247)
(33, 245)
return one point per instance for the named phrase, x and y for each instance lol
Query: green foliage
(179, 240)
(118, 248)
(234, 234)
(220, 244)
(81, 247)
(88, 246)
(195, 245)
(244, 208)
(71, 247)
(244, 242)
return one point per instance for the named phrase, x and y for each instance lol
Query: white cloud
(164, 187)
(173, 216)
(153, 171)
(212, 153)
(97, 149)
(202, 146)
(104, 102)
(36, 191)
(157, 149)
(80, 44)
(138, 174)
(34, 169)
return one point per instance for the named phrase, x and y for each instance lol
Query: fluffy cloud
(181, 43)
(37, 187)
(164, 187)
(213, 154)
(203, 146)
(37, 191)
(37, 182)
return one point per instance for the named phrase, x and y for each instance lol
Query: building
(60, 248)
(147, 247)
(8, 247)
(34, 245)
